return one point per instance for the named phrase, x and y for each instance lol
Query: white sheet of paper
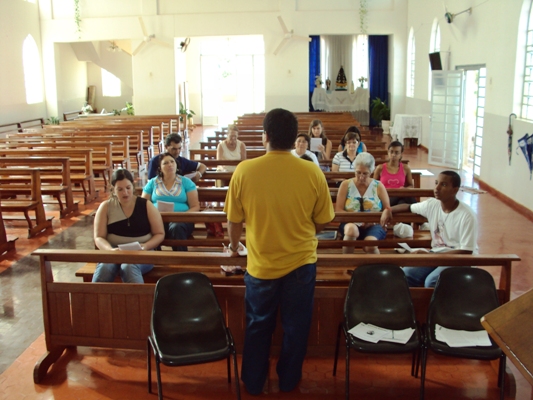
(368, 332)
(165, 206)
(130, 246)
(423, 172)
(410, 249)
(459, 338)
(402, 336)
(315, 142)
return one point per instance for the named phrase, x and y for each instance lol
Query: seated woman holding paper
(126, 219)
(363, 194)
(179, 191)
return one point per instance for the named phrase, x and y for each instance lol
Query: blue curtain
(378, 63)
(314, 65)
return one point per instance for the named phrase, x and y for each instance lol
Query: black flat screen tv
(434, 60)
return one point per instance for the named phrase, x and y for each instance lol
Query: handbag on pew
(213, 228)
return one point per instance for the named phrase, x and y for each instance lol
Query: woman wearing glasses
(363, 194)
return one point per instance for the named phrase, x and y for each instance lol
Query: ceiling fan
(185, 44)
(450, 16)
(288, 36)
(147, 38)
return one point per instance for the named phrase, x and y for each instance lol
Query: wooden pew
(34, 203)
(49, 166)
(82, 157)
(117, 315)
(102, 157)
(7, 243)
(201, 154)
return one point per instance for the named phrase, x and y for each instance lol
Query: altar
(407, 126)
(343, 101)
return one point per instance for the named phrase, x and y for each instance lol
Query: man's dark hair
(172, 138)
(121, 174)
(281, 127)
(306, 157)
(454, 176)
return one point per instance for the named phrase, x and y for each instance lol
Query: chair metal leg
(501, 376)
(423, 371)
(149, 364)
(229, 369)
(347, 383)
(158, 372)
(237, 384)
(337, 350)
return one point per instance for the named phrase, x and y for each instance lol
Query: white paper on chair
(130, 246)
(372, 333)
(315, 142)
(458, 338)
(165, 206)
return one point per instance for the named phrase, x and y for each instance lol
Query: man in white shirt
(453, 225)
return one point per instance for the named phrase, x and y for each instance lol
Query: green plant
(129, 109)
(380, 110)
(186, 111)
(52, 121)
(77, 17)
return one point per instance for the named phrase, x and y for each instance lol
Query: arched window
(411, 64)
(33, 78)
(434, 46)
(526, 111)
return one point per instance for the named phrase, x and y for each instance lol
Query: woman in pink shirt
(395, 175)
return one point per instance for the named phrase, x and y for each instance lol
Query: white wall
(487, 36)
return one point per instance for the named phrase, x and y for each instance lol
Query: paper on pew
(410, 249)
(165, 206)
(458, 338)
(130, 246)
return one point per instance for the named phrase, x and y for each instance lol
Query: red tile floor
(103, 374)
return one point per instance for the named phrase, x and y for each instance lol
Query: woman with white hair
(363, 194)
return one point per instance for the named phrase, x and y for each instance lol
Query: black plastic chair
(188, 327)
(379, 295)
(462, 296)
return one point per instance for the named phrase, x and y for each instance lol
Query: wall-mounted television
(434, 60)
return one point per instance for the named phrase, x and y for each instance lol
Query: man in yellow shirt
(284, 202)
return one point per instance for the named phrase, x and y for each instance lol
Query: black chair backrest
(185, 304)
(379, 294)
(462, 296)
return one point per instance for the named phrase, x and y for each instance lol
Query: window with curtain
(410, 92)
(350, 51)
(110, 84)
(33, 78)
(526, 111)
(434, 46)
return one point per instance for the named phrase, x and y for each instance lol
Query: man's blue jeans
(422, 276)
(129, 273)
(293, 295)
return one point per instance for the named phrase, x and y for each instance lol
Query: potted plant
(381, 114)
(188, 113)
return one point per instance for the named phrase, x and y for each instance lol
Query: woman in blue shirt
(170, 187)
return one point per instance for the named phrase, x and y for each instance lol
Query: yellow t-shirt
(280, 197)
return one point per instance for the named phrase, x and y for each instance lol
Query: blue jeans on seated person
(129, 273)
(376, 231)
(293, 295)
(178, 231)
(422, 276)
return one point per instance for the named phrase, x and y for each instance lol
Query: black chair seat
(461, 297)
(378, 295)
(188, 326)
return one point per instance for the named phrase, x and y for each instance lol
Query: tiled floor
(103, 374)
